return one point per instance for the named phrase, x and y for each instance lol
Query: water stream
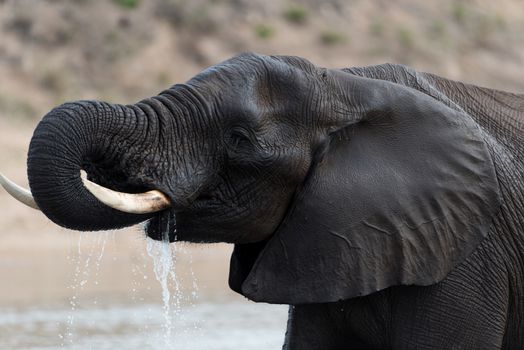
(180, 322)
(162, 257)
(82, 272)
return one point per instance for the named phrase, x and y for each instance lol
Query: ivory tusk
(19, 193)
(133, 203)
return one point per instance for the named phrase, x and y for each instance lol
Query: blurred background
(62, 289)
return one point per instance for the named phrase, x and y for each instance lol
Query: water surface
(212, 326)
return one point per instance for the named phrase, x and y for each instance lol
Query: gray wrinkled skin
(384, 204)
(479, 305)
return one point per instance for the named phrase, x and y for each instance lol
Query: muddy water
(213, 326)
(65, 290)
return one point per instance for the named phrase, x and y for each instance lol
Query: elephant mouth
(162, 227)
(192, 223)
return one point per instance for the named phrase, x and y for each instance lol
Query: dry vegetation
(123, 50)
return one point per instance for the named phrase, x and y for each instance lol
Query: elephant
(384, 205)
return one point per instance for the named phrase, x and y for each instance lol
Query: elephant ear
(399, 197)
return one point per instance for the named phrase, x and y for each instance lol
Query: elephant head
(330, 185)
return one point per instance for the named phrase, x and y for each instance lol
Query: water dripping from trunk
(82, 258)
(163, 260)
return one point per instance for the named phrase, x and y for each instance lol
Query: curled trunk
(100, 138)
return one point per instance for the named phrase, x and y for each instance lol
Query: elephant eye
(240, 140)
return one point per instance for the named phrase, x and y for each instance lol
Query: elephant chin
(242, 261)
(162, 227)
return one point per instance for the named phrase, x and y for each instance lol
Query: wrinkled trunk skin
(102, 139)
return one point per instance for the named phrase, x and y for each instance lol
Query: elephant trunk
(108, 142)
